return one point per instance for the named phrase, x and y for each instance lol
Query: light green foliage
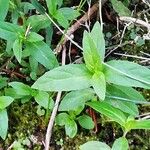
(64, 78)
(5, 101)
(43, 54)
(43, 99)
(127, 74)
(62, 15)
(95, 145)
(4, 6)
(75, 99)
(34, 37)
(38, 22)
(86, 122)
(17, 49)
(70, 125)
(3, 123)
(99, 84)
(3, 82)
(20, 88)
(120, 144)
(124, 98)
(120, 8)
(10, 31)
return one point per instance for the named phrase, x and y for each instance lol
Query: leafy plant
(112, 82)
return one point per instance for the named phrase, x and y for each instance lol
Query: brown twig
(77, 24)
(13, 73)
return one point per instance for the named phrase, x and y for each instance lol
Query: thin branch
(136, 21)
(133, 56)
(65, 34)
(54, 112)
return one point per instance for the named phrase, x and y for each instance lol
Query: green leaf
(86, 122)
(43, 99)
(98, 38)
(34, 67)
(4, 6)
(120, 144)
(90, 53)
(119, 7)
(10, 31)
(20, 88)
(61, 119)
(95, 145)
(62, 20)
(3, 124)
(68, 13)
(71, 128)
(75, 99)
(38, 6)
(124, 98)
(27, 6)
(127, 74)
(34, 37)
(64, 78)
(38, 22)
(138, 124)
(109, 111)
(3, 82)
(99, 84)
(52, 5)
(127, 107)
(17, 49)
(5, 101)
(123, 93)
(43, 54)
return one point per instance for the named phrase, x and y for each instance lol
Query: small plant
(111, 81)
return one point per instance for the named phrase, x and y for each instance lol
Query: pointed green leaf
(64, 78)
(3, 124)
(43, 54)
(4, 6)
(138, 124)
(109, 111)
(52, 5)
(127, 107)
(86, 122)
(34, 37)
(95, 145)
(120, 8)
(123, 93)
(99, 84)
(120, 144)
(68, 13)
(17, 49)
(98, 38)
(127, 74)
(5, 101)
(75, 99)
(90, 53)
